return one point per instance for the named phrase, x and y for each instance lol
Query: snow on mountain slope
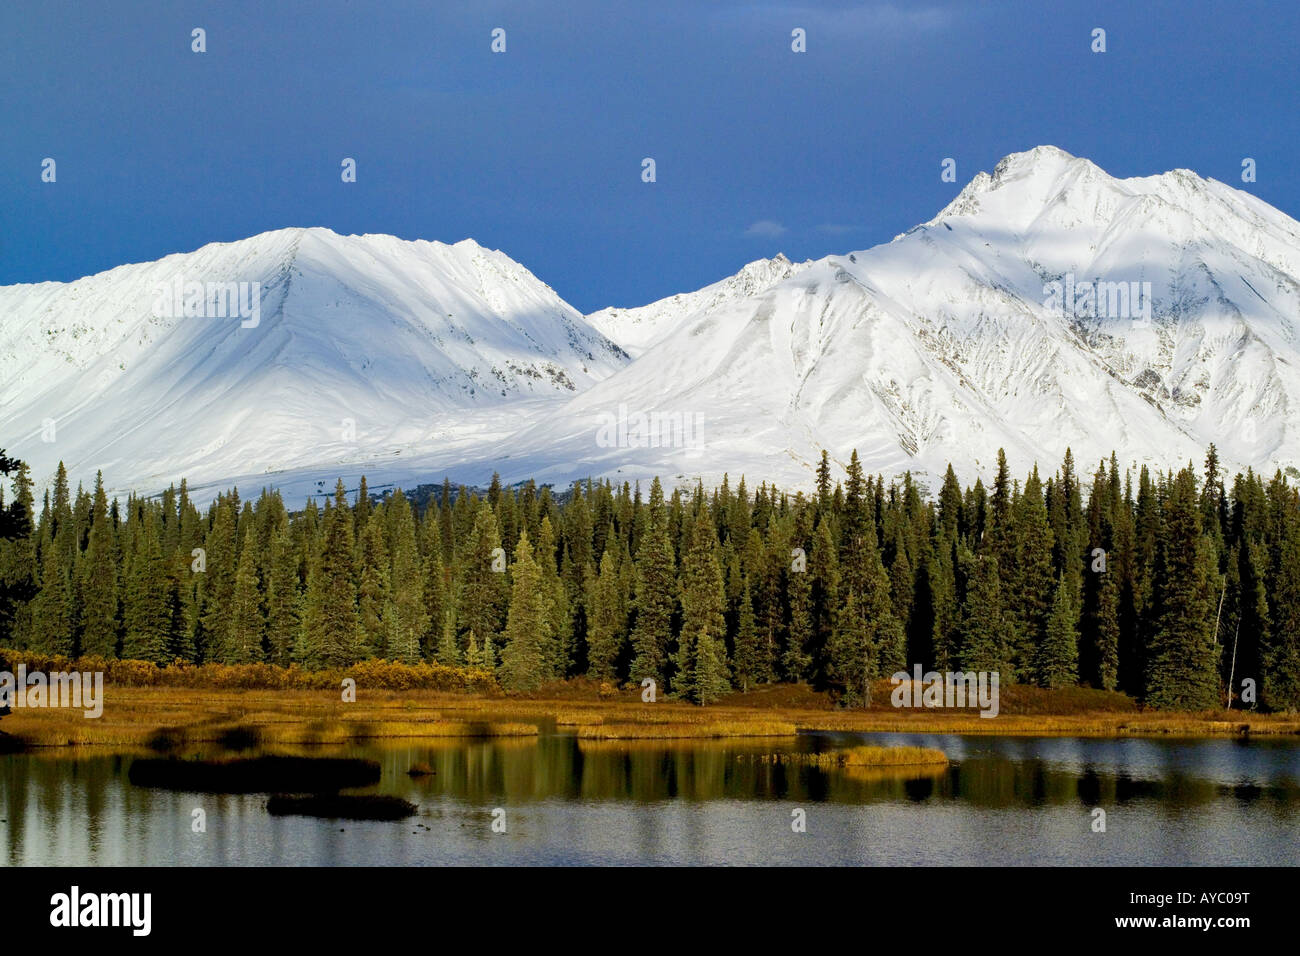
(963, 335)
(947, 343)
(637, 329)
(365, 347)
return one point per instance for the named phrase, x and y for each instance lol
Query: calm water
(1003, 801)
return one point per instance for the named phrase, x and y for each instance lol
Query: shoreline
(169, 719)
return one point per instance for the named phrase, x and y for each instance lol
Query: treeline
(1168, 587)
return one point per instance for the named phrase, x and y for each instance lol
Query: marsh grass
(167, 718)
(577, 718)
(891, 756)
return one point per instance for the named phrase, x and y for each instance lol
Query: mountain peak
(453, 358)
(406, 339)
(1042, 164)
(1025, 183)
(1037, 158)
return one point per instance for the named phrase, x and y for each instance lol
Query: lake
(1002, 801)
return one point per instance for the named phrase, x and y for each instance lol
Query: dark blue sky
(538, 151)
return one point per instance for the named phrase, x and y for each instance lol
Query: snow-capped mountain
(972, 332)
(1049, 305)
(360, 347)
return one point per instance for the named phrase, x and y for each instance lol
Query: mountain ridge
(941, 345)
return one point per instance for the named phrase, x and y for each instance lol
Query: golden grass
(891, 756)
(159, 718)
(165, 717)
(451, 729)
(577, 718)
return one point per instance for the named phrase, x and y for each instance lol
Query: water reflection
(1002, 800)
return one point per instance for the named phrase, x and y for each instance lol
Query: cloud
(765, 229)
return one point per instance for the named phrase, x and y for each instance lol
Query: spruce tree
(52, 611)
(867, 639)
(767, 574)
(361, 513)
(1030, 598)
(145, 611)
(607, 623)
(99, 582)
(571, 632)
(446, 527)
(448, 650)
(655, 593)
(985, 644)
(507, 516)
(703, 602)
(999, 536)
(559, 614)
(709, 681)
(1107, 634)
(1122, 561)
(528, 654)
(796, 664)
(242, 642)
(902, 578)
(857, 531)
(374, 591)
(182, 612)
(330, 634)
(1182, 669)
(19, 570)
(747, 650)
(946, 613)
(823, 566)
(1057, 662)
(1252, 630)
(283, 598)
(438, 603)
(484, 589)
(950, 505)
(1280, 687)
(824, 483)
(852, 659)
(408, 619)
(216, 586)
